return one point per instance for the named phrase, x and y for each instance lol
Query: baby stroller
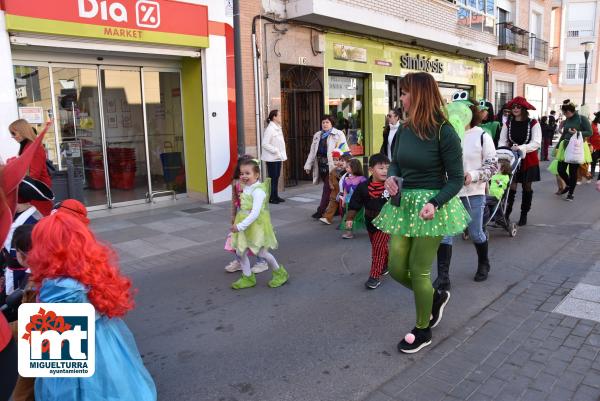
(495, 213)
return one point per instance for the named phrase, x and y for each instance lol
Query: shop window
(346, 103)
(504, 91)
(34, 101)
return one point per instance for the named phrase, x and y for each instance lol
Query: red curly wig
(65, 247)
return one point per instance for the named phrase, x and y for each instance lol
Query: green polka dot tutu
(404, 220)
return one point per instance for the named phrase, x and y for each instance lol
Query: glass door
(80, 132)
(123, 117)
(164, 120)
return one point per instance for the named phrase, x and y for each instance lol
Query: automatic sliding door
(165, 131)
(124, 133)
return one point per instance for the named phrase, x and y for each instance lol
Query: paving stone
(541, 355)
(534, 395)
(464, 389)
(543, 382)
(583, 329)
(531, 369)
(516, 387)
(586, 393)
(541, 333)
(565, 354)
(555, 366)
(592, 379)
(552, 344)
(570, 380)
(560, 394)
(378, 396)
(492, 387)
(580, 365)
(574, 341)
(593, 340)
(561, 332)
(569, 322)
(507, 371)
(588, 352)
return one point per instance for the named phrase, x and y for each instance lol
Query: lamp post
(589, 46)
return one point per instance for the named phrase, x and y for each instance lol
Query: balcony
(538, 51)
(513, 43)
(554, 64)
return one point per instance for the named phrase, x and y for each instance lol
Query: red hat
(335, 153)
(12, 175)
(520, 101)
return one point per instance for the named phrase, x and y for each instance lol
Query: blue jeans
(475, 205)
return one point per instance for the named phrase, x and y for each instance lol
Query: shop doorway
(118, 132)
(302, 106)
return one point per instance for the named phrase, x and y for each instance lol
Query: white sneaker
(233, 266)
(259, 267)
(324, 221)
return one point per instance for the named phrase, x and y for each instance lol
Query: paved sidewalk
(524, 346)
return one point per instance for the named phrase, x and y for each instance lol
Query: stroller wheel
(512, 229)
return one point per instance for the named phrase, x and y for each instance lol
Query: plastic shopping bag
(574, 150)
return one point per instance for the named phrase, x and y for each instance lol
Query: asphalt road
(322, 337)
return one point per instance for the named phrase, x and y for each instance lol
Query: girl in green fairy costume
(252, 229)
(428, 157)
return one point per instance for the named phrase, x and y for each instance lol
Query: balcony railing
(538, 49)
(513, 38)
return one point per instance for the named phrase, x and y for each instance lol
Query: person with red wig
(522, 134)
(69, 265)
(74, 208)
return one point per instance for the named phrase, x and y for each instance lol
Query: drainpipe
(239, 85)
(486, 77)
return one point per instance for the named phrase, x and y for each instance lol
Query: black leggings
(571, 178)
(8, 378)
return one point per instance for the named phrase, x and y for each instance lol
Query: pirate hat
(32, 189)
(520, 101)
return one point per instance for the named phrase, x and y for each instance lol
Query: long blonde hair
(23, 128)
(426, 103)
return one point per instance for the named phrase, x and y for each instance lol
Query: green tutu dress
(404, 220)
(358, 223)
(260, 233)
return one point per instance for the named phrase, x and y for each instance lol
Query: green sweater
(423, 164)
(580, 123)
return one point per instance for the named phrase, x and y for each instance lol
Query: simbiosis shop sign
(144, 21)
(421, 63)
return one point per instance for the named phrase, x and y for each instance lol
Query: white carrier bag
(574, 150)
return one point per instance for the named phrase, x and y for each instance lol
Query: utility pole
(239, 85)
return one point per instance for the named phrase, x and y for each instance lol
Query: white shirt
(258, 197)
(479, 161)
(391, 136)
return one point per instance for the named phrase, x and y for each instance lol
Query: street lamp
(589, 46)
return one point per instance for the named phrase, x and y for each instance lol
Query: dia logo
(57, 340)
(147, 11)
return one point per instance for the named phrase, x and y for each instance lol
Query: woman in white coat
(320, 162)
(273, 152)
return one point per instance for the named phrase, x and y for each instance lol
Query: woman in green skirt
(428, 157)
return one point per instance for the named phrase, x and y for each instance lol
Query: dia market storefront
(362, 83)
(122, 82)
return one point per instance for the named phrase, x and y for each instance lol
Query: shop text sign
(148, 21)
(421, 63)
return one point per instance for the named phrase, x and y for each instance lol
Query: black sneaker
(440, 299)
(372, 283)
(281, 200)
(385, 272)
(420, 339)
(569, 198)
(316, 215)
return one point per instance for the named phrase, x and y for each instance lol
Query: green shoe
(244, 282)
(280, 277)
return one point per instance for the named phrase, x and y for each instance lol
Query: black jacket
(370, 196)
(386, 134)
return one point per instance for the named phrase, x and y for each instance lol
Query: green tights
(410, 264)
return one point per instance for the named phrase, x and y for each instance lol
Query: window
(477, 14)
(571, 68)
(504, 91)
(581, 72)
(580, 19)
(346, 104)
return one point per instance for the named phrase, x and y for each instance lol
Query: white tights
(263, 253)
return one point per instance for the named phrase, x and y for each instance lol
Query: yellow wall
(458, 70)
(193, 117)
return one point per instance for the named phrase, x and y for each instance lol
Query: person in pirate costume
(523, 134)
